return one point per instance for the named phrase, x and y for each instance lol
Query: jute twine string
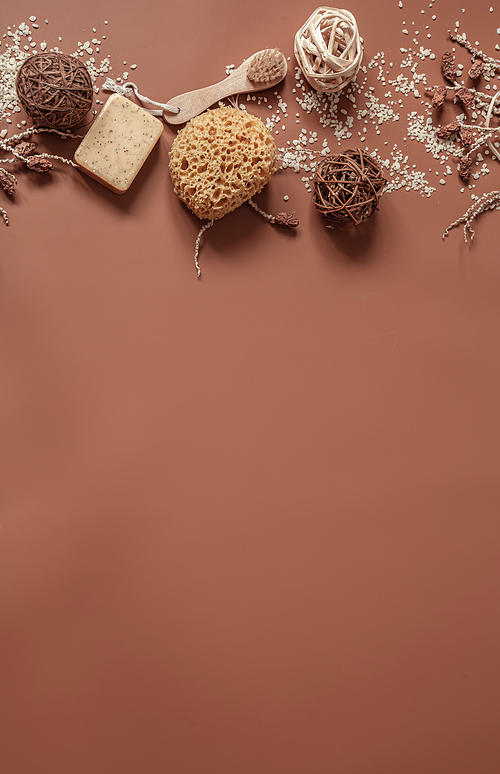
(197, 244)
(329, 49)
(281, 219)
(129, 88)
(54, 89)
(347, 187)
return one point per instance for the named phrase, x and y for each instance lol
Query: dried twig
(281, 219)
(22, 151)
(489, 201)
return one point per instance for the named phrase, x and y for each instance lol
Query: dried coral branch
(489, 201)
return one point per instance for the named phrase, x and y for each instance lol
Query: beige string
(329, 49)
(197, 244)
(488, 201)
(130, 88)
(266, 215)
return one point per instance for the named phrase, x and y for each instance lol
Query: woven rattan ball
(347, 187)
(329, 49)
(54, 89)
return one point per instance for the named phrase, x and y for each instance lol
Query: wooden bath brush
(263, 70)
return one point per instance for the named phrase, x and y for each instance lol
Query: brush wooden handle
(192, 103)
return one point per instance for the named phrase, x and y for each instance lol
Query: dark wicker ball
(347, 187)
(54, 89)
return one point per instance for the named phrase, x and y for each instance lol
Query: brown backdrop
(248, 524)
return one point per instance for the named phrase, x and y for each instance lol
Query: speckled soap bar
(118, 143)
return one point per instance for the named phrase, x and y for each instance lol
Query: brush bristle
(266, 66)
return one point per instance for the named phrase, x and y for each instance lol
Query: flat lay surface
(249, 522)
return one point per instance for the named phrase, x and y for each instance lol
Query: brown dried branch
(23, 151)
(489, 201)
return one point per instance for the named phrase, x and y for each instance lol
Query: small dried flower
(449, 67)
(25, 148)
(465, 169)
(283, 219)
(7, 182)
(476, 70)
(38, 164)
(446, 131)
(466, 97)
(439, 96)
(466, 136)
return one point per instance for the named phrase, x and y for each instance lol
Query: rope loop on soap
(129, 88)
(329, 49)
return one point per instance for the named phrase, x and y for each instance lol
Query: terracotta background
(248, 524)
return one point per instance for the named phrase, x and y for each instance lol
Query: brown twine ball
(54, 89)
(347, 187)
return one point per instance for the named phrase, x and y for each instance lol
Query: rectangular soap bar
(118, 143)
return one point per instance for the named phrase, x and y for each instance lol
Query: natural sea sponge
(220, 159)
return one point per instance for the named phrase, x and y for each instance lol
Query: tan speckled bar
(118, 143)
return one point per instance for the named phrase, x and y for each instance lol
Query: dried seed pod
(283, 219)
(465, 169)
(7, 182)
(448, 66)
(38, 164)
(439, 96)
(446, 131)
(466, 136)
(476, 70)
(466, 97)
(25, 148)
